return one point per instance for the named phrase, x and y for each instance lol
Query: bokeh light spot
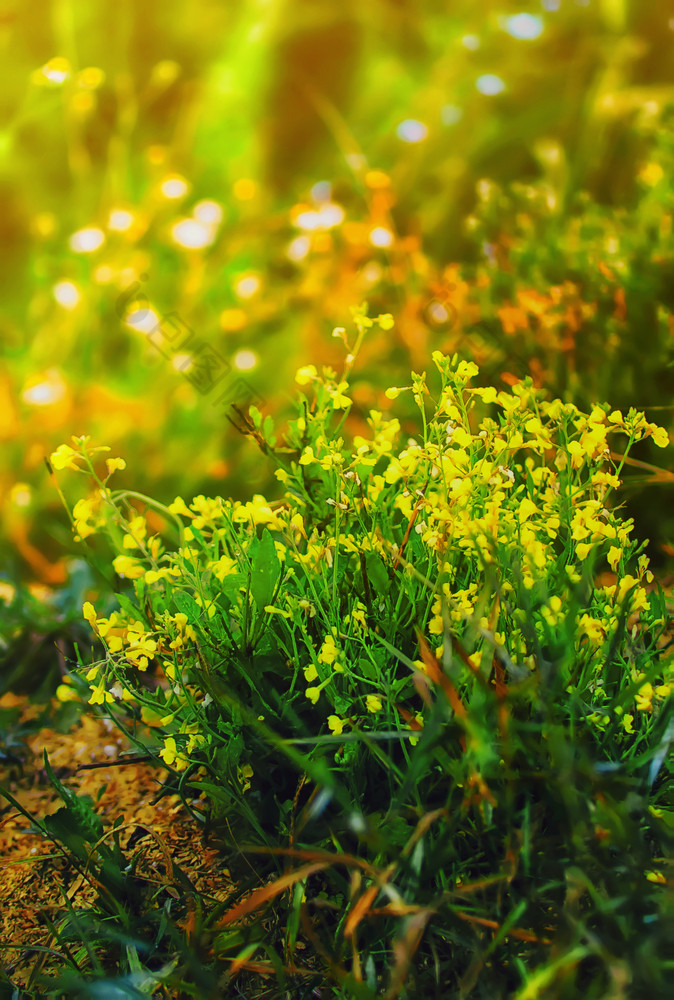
(412, 130)
(209, 212)
(298, 248)
(87, 240)
(490, 84)
(381, 237)
(174, 186)
(247, 286)
(327, 216)
(54, 72)
(321, 191)
(192, 234)
(20, 495)
(120, 219)
(523, 26)
(141, 318)
(44, 389)
(245, 360)
(66, 294)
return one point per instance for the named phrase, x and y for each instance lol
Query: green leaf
(186, 604)
(78, 807)
(265, 571)
(377, 575)
(230, 585)
(131, 609)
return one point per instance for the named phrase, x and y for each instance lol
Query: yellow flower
(651, 173)
(99, 695)
(339, 400)
(373, 703)
(180, 507)
(335, 725)
(130, 568)
(89, 613)
(64, 458)
(172, 756)
(527, 509)
(115, 463)
(613, 557)
(258, 511)
(466, 370)
(86, 515)
(386, 321)
(244, 774)
(659, 435)
(141, 649)
(64, 692)
(306, 374)
(136, 533)
(328, 652)
(271, 610)
(310, 673)
(644, 698)
(628, 723)
(313, 694)
(583, 550)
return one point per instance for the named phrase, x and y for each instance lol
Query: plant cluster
(440, 663)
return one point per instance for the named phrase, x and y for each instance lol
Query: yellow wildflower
(130, 568)
(172, 756)
(335, 725)
(115, 463)
(306, 374)
(180, 507)
(89, 613)
(328, 651)
(64, 457)
(64, 692)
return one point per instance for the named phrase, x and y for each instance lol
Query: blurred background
(194, 193)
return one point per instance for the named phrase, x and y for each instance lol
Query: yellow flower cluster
(490, 524)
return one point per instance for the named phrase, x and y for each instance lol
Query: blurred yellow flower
(180, 507)
(53, 73)
(130, 568)
(335, 725)
(64, 692)
(64, 458)
(306, 374)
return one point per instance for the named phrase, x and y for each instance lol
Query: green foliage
(407, 682)
(426, 692)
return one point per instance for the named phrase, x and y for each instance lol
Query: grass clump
(425, 695)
